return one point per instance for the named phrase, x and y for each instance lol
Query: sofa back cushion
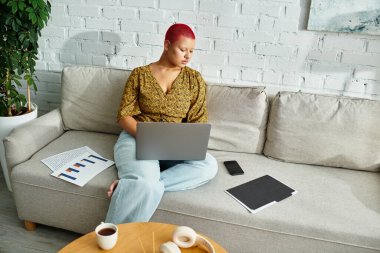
(91, 98)
(238, 116)
(324, 130)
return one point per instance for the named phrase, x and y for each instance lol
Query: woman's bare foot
(112, 188)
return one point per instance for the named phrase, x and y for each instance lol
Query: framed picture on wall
(352, 16)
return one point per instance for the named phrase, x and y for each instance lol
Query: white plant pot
(7, 124)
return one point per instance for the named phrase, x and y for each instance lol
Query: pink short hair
(175, 31)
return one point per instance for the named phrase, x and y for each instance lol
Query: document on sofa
(55, 162)
(82, 169)
(260, 193)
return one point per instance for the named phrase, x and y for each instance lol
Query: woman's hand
(112, 188)
(129, 124)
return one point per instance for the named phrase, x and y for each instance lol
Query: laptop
(172, 141)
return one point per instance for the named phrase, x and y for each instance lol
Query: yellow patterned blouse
(144, 99)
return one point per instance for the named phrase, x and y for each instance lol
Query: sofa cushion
(238, 116)
(91, 98)
(45, 199)
(324, 130)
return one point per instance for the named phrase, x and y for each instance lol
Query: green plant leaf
(15, 26)
(34, 19)
(14, 7)
(17, 82)
(33, 84)
(21, 37)
(31, 38)
(42, 4)
(8, 20)
(21, 5)
(40, 23)
(34, 3)
(26, 43)
(19, 22)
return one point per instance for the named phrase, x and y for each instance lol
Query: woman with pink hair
(163, 91)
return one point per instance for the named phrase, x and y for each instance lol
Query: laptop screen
(172, 141)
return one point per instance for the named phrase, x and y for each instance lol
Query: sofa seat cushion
(331, 203)
(34, 172)
(324, 130)
(48, 200)
(238, 116)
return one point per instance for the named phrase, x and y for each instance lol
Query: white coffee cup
(106, 235)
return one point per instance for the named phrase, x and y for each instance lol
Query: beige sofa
(325, 147)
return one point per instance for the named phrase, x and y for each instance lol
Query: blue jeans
(143, 182)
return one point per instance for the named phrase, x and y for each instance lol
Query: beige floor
(14, 238)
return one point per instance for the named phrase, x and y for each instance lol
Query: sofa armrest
(26, 140)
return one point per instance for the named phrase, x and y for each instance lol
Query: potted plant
(20, 27)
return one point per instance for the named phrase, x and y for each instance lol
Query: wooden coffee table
(130, 235)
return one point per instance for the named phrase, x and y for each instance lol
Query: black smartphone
(233, 168)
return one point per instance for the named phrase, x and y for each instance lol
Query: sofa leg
(29, 225)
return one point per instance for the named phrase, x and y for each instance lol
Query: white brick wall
(139, 3)
(239, 42)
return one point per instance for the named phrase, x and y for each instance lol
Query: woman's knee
(136, 169)
(126, 163)
(142, 186)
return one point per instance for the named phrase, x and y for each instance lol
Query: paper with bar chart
(82, 169)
